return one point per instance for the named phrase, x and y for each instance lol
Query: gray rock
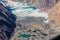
(7, 23)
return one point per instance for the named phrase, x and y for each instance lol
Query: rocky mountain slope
(7, 23)
(43, 4)
(54, 15)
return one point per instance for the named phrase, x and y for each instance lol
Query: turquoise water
(24, 35)
(26, 8)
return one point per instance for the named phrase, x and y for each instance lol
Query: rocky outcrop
(7, 23)
(54, 16)
(43, 4)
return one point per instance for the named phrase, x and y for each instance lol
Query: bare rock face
(54, 15)
(7, 23)
(43, 4)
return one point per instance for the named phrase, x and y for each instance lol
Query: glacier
(21, 9)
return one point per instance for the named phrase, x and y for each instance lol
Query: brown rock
(54, 13)
(43, 4)
(54, 16)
